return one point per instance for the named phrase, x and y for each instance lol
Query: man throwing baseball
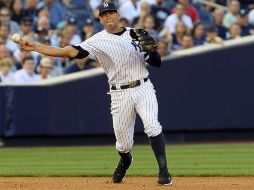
(123, 54)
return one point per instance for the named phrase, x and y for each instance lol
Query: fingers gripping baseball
(146, 42)
(24, 44)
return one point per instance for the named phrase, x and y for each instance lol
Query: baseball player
(124, 54)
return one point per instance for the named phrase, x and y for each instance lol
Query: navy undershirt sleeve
(154, 58)
(81, 52)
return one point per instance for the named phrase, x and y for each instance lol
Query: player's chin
(110, 24)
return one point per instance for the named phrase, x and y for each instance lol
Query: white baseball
(16, 37)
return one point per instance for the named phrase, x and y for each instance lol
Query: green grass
(184, 160)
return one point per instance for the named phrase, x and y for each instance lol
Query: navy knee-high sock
(125, 156)
(158, 146)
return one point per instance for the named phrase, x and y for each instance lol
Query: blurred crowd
(175, 25)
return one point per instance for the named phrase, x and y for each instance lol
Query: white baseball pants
(125, 104)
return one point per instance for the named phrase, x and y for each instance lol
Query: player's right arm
(67, 51)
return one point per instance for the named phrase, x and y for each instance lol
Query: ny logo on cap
(105, 5)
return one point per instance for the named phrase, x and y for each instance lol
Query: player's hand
(24, 44)
(27, 45)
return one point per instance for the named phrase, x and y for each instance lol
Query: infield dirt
(133, 183)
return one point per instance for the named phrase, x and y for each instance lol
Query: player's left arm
(148, 45)
(153, 58)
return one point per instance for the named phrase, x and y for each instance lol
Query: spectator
(150, 2)
(71, 28)
(45, 67)
(97, 25)
(231, 17)
(94, 3)
(42, 36)
(234, 31)
(247, 4)
(244, 24)
(207, 14)
(189, 10)
(198, 34)
(162, 48)
(81, 65)
(130, 9)
(222, 2)
(160, 13)
(181, 30)
(212, 36)
(44, 12)
(21, 55)
(209, 8)
(88, 29)
(4, 51)
(5, 16)
(124, 22)
(43, 29)
(5, 3)
(187, 42)
(43, 23)
(149, 26)
(218, 18)
(145, 10)
(31, 9)
(119, 2)
(26, 27)
(65, 38)
(251, 17)
(4, 35)
(166, 36)
(17, 11)
(6, 76)
(56, 10)
(172, 19)
(26, 74)
(57, 67)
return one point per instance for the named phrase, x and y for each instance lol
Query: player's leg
(147, 108)
(158, 146)
(124, 115)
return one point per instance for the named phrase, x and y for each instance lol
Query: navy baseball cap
(72, 20)
(107, 6)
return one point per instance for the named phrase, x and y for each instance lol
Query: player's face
(110, 20)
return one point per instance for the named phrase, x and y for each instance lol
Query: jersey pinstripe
(119, 56)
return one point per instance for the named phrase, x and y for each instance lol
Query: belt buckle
(132, 84)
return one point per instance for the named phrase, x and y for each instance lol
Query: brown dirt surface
(133, 183)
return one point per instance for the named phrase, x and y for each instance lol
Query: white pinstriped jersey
(119, 55)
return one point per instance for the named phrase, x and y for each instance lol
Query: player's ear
(99, 18)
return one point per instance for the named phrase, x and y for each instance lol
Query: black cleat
(120, 171)
(164, 178)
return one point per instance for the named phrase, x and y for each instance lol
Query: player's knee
(124, 147)
(153, 130)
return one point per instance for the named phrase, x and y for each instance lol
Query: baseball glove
(146, 42)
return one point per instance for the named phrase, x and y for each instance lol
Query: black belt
(130, 85)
